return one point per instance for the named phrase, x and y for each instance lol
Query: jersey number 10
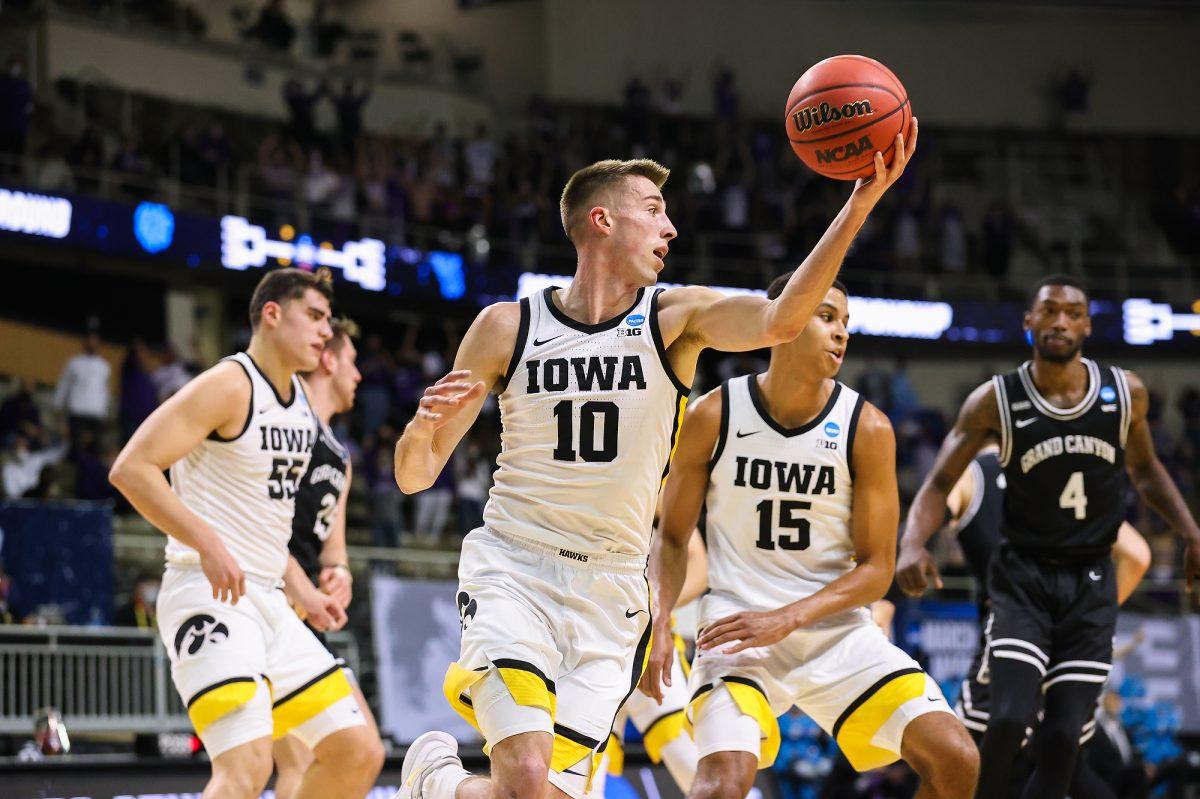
(787, 521)
(609, 416)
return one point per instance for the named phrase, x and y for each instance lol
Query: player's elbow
(411, 485)
(782, 329)
(120, 474)
(876, 576)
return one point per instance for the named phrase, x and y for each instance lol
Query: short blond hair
(586, 183)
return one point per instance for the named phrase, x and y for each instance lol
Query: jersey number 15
(767, 539)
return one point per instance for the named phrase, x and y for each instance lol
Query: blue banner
(59, 555)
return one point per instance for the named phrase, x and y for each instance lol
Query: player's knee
(356, 751)
(522, 776)
(722, 775)
(949, 765)
(244, 775)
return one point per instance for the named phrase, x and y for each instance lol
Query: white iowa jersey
(589, 414)
(779, 500)
(245, 487)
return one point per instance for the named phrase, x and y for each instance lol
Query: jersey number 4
(590, 413)
(1073, 496)
(767, 539)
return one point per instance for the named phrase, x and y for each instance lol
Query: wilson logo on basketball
(807, 119)
(832, 155)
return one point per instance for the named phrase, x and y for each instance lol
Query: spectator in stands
(87, 153)
(473, 478)
(139, 394)
(133, 163)
(139, 611)
(387, 502)
(172, 373)
(26, 464)
(374, 401)
(480, 155)
(274, 28)
(91, 458)
(953, 240)
(301, 104)
(997, 240)
(53, 172)
(431, 508)
(16, 109)
(279, 165)
(727, 99)
(216, 152)
(82, 391)
(349, 104)
(19, 410)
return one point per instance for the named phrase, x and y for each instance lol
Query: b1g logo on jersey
(197, 631)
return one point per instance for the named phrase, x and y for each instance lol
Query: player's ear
(599, 218)
(1025, 321)
(328, 360)
(272, 312)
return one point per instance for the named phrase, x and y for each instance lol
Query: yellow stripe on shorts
(616, 755)
(526, 682)
(318, 694)
(571, 747)
(859, 722)
(218, 699)
(752, 701)
(662, 731)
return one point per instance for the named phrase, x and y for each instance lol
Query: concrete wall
(217, 77)
(511, 37)
(976, 63)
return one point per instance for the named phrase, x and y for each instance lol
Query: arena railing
(100, 679)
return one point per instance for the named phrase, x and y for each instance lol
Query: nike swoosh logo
(263, 410)
(629, 614)
(932, 698)
(537, 343)
(1025, 422)
(740, 434)
(576, 773)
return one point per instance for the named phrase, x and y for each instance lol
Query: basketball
(843, 110)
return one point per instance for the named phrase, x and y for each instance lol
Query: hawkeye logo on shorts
(466, 608)
(197, 631)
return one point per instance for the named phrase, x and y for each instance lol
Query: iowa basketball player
(237, 440)
(798, 475)
(592, 381)
(1070, 430)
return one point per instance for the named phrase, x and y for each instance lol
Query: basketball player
(798, 475)
(592, 381)
(318, 570)
(976, 509)
(237, 440)
(1068, 430)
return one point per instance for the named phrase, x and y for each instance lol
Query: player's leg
(217, 654)
(1016, 663)
(729, 743)
(663, 727)
(315, 703)
(241, 772)
(943, 755)
(1080, 663)
(292, 759)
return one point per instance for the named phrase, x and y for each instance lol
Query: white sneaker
(430, 752)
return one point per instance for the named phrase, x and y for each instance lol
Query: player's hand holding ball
(849, 118)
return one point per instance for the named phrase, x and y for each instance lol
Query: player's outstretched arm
(737, 324)
(978, 423)
(683, 495)
(1154, 485)
(451, 405)
(1132, 556)
(216, 401)
(335, 578)
(874, 515)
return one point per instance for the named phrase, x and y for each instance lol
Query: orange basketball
(843, 110)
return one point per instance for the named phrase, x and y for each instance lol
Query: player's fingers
(936, 575)
(912, 138)
(880, 169)
(454, 376)
(723, 638)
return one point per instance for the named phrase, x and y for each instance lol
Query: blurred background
(156, 156)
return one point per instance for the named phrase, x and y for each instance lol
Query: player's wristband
(344, 567)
